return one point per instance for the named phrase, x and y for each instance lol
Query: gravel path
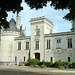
(29, 69)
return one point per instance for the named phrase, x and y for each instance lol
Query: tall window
(48, 44)
(69, 59)
(58, 43)
(24, 58)
(27, 45)
(51, 59)
(37, 45)
(19, 45)
(70, 43)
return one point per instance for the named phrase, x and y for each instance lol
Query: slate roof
(12, 26)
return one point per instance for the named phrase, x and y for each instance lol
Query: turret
(18, 20)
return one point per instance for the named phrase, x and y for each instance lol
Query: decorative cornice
(22, 38)
(59, 34)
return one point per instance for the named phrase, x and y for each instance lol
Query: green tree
(57, 4)
(6, 6)
(15, 6)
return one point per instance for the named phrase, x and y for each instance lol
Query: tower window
(19, 45)
(58, 43)
(37, 45)
(70, 43)
(37, 32)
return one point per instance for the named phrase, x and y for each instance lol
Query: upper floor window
(48, 44)
(70, 43)
(37, 32)
(58, 43)
(37, 45)
(19, 45)
(27, 45)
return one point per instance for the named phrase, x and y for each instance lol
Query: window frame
(69, 42)
(27, 45)
(48, 44)
(19, 45)
(58, 43)
(37, 45)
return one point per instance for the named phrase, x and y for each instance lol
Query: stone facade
(42, 44)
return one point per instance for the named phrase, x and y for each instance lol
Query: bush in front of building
(33, 62)
(37, 66)
(61, 67)
(48, 64)
(27, 64)
(21, 64)
(43, 66)
(31, 65)
(66, 64)
(41, 63)
(57, 64)
(73, 64)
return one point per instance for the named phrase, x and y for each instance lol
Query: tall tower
(39, 27)
(18, 19)
(73, 26)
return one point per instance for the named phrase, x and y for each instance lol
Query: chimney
(18, 19)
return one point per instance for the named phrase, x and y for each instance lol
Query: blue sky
(55, 16)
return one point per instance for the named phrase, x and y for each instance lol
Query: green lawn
(31, 73)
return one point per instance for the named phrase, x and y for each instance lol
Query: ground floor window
(24, 58)
(69, 59)
(15, 59)
(51, 58)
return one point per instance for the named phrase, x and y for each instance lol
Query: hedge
(59, 63)
(73, 64)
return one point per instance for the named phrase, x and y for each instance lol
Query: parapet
(10, 33)
(40, 18)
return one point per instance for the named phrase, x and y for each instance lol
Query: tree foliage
(15, 6)
(57, 4)
(6, 6)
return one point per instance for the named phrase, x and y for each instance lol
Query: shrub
(21, 64)
(73, 64)
(66, 63)
(57, 64)
(41, 63)
(34, 61)
(49, 64)
(27, 64)
(43, 66)
(31, 65)
(61, 67)
(36, 66)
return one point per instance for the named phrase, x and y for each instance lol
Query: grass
(32, 73)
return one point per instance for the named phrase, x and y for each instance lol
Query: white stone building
(43, 44)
